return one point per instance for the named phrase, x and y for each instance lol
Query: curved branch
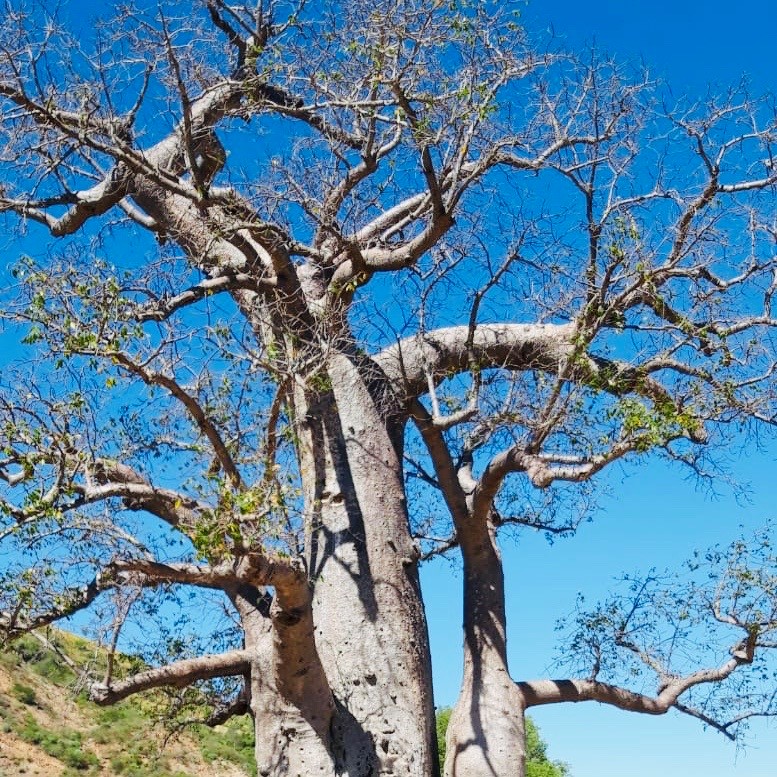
(381, 227)
(258, 569)
(176, 675)
(220, 576)
(103, 479)
(91, 202)
(221, 715)
(162, 309)
(446, 351)
(168, 505)
(723, 728)
(449, 484)
(538, 692)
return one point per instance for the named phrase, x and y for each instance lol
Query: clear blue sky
(653, 516)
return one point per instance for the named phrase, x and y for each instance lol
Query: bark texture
(370, 625)
(486, 730)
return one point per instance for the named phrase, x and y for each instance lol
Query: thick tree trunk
(369, 619)
(289, 695)
(485, 735)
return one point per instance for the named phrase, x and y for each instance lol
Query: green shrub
(50, 667)
(233, 742)
(24, 694)
(442, 718)
(27, 649)
(132, 764)
(64, 744)
(125, 725)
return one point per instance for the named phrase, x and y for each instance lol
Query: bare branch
(444, 351)
(537, 692)
(176, 675)
(162, 309)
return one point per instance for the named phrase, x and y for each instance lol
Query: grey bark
(486, 731)
(370, 625)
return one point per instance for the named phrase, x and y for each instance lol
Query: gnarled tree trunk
(387, 143)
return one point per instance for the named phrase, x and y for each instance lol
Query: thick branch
(222, 714)
(537, 692)
(86, 204)
(455, 349)
(113, 479)
(258, 569)
(454, 494)
(220, 576)
(177, 675)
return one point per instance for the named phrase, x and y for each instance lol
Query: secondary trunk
(369, 619)
(288, 693)
(485, 735)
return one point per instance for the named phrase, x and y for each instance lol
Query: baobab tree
(328, 291)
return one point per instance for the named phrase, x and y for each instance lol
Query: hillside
(48, 729)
